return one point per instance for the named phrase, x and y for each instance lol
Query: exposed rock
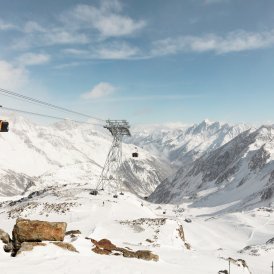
(8, 247)
(259, 159)
(28, 246)
(147, 255)
(73, 232)
(270, 241)
(100, 251)
(66, 246)
(4, 237)
(106, 247)
(36, 231)
(237, 262)
(104, 244)
(182, 236)
(148, 221)
(266, 194)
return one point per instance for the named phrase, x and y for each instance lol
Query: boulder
(37, 231)
(104, 244)
(8, 247)
(106, 247)
(66, 246)
(73, 232)
(4, 237)
(100, 251)
(146, 255)
(28, 246)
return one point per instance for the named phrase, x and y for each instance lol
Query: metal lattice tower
(111, 172)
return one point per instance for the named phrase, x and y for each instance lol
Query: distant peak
(207, 121)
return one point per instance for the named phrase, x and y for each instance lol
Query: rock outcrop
(28, 246)
(66, 246)
(36, 231)
(106, 247)
(182, 236)
(4, 237)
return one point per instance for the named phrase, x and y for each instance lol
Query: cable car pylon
(110, 175)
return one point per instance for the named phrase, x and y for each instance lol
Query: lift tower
(110, 174)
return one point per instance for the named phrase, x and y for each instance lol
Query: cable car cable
(4, 91)
(47, 116)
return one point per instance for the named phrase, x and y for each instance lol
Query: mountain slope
(32, 151)
(182, 144)
(240, 174)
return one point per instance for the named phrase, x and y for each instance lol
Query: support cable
(33, 100)
(48, 116)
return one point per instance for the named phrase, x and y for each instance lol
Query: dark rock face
(37, 231)
(259, 159)
(267, 194)
(270, 241)
(73, 232)
(106, 247)
(4, 237)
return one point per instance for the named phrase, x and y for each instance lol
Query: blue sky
(146, 61)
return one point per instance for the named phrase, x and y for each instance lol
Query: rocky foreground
(63, 228)
(28, 234)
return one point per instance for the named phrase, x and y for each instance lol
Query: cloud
(29, 59)
(11, 76)
(6, 26)
(156, 97)
(61, 36)
(232, 42)
(32, 26)
(106, 19)
(116, 51)
(36, 35)
(76, 52)
(106, 51)
(102, 89)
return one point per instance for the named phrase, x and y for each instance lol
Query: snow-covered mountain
(32, 154)
(239, 174)
(182, 144)
(55, 167)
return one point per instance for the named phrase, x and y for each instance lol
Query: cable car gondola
(135, 154)
(4, 126)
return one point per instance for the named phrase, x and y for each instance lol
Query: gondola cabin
(4, 126)
(135, 153)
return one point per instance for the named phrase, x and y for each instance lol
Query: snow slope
(239, 174)
(30, 151)
(182, 144)
(213, 238)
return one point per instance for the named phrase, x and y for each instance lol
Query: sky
(145, 61)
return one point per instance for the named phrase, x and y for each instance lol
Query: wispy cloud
(6, 26)
(232, 42)
(32, 26)
(107, 19)
(116, 51)
(107, 51)
(156, 97)
(30, 59)
(12, 76)
(101, 90)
